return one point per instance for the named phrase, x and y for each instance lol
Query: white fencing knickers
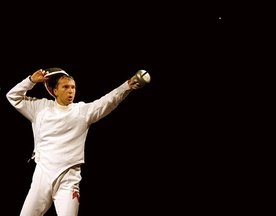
(64, 192)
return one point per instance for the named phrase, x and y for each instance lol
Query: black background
(169, 146)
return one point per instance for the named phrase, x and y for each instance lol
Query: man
(60, 128)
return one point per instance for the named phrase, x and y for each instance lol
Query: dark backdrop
(158, 151)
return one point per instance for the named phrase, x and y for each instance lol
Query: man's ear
(54, 91)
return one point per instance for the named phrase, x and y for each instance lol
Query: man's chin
(69, 102)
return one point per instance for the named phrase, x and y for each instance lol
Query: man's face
(65, 91)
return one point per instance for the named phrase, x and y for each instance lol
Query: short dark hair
(55, 78)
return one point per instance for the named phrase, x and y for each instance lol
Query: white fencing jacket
(60, 131)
